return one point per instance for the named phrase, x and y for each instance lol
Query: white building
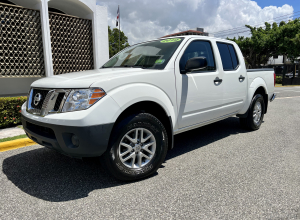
(41, 38)
(279, 60)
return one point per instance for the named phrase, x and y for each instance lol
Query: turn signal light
(92, 101)
(98, 90)
(96, 95)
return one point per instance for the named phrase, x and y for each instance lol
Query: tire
(130, 157)
(255, 114)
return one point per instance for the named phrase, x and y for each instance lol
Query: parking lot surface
(292, 91)
(219, 171)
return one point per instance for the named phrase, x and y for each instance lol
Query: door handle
(217, 80)
(241, 78)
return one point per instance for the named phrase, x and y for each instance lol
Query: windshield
(150, 55)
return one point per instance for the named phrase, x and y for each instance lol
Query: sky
(294, 3)
(143, 20)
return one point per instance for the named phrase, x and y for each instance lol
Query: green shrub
(278, 79)
(10, 110)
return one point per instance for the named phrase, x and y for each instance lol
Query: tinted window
(235, 61)
(228, 56)
(198, 49)
(225, 56)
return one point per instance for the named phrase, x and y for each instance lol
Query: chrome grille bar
(48, 103)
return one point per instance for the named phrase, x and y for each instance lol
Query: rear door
(199, 95)
(234, 78)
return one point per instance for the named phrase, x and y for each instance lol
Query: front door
(199, 93)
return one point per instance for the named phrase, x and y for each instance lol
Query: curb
(15, 144)
(281, 86)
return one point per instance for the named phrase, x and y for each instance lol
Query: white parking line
(288, 97)
(288, 90)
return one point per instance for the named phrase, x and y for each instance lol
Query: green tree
(289, 39)
(113, 35)
(259, 47)
(269, 41)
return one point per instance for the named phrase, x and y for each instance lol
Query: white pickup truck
(129, 110)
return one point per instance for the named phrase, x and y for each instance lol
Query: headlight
(80, 99)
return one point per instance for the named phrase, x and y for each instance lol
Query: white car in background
(291, 74)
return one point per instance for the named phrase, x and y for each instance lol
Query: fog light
(75, 140)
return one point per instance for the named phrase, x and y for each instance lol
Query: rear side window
(228, 56)
(235, 61)
(198, 48)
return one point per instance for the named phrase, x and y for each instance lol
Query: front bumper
(93, 140)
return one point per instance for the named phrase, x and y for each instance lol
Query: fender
(255, 84)
(129, 94)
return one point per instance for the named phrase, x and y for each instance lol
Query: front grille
(50, 101)
(40, 130)
(40, 103)
(59, 99)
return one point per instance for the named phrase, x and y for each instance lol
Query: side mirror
(196, 63)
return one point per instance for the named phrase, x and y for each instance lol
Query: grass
(13, 138)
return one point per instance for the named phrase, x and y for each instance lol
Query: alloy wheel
(137, 148)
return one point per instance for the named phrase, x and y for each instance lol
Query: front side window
(150, 55)
(198, 48)
(228, 56)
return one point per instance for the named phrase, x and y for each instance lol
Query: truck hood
(86, 79)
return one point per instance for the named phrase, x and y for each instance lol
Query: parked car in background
(291, 74)
(129, 110)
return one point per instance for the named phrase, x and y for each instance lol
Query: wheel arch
(258, 86)
(262, 91)
(143, 97)
(153, 108)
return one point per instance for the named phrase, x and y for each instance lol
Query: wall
(16, 86)
(291, 81)
(12, 86)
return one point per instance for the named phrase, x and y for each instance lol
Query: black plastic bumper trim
(93, 140)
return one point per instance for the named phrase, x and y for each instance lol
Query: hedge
(10, 111)
(278, 79)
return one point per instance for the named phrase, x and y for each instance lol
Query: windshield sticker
(171, 40)
(160, 61)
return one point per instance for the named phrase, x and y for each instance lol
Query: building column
(101, 36)
(95, 41)
(43, 7)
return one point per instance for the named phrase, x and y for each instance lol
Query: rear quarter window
(228, 55)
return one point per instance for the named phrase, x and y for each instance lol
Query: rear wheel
(137, 148)
(255, 115)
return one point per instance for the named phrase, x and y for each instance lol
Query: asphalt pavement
(287, 91)
(219, 171)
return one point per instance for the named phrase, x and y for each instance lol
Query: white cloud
(149, 19)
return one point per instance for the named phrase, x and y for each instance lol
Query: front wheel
(255, 114)
(137, 148)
